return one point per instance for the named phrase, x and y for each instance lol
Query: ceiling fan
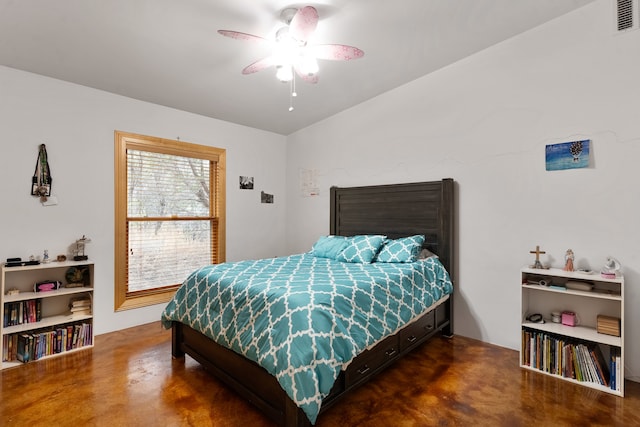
(292, 53)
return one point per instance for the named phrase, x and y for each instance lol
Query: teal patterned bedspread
(304, 318)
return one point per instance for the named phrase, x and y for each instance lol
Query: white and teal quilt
(305, 318)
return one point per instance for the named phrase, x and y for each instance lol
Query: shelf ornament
(77, 277)
(611, 268)
(568, 260)
(78, 253)
(537, 263)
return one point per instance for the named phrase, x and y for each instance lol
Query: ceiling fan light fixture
(284, 54)
(284, 73)
(308, 64)
(287, 14)
(293, 51)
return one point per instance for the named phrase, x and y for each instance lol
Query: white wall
(485, 121)
(77, 125)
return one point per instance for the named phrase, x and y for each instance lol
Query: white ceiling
(168, 51)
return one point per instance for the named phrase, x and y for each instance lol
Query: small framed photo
(246, 182)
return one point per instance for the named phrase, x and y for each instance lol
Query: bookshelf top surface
(558, 272)
(41, 266)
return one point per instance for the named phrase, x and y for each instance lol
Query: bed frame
(394, 210)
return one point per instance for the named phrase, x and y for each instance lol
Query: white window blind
(170, 227)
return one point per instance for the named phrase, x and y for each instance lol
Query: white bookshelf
(606, 298)
(54, 307)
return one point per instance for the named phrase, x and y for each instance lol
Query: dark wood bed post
(447, 221)
(294, 416)
(176, 339)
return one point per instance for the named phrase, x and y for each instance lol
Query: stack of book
(80, 306)
(9, 347)
(569, 358)
(27, 347)
(608, 325)
(17, 313)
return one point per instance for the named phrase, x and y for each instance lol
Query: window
(170, 204)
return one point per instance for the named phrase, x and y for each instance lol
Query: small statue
(568, 260)
(45, 257)
(79, 254)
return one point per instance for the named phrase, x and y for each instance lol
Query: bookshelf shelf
(44, 323)
(579, 353)
(40, 325)
(579, 332)
(592, 294)
(571, 380)
(23, 296)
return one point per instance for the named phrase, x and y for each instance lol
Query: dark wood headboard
(398, 210)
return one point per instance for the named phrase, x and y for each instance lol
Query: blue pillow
(329, 246)
(405, 249)
(361, 249)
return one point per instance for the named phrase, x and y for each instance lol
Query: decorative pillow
(361, 249)
(329, 246)
(405, 249)
(426, 253)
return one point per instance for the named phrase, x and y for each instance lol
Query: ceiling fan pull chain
(293, 92)
(293, 85)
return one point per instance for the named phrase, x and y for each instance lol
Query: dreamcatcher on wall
(41, 181)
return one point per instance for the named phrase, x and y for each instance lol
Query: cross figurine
(537, 264)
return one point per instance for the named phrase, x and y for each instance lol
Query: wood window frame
(124, 300)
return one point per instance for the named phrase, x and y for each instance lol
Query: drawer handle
(390, 352)
(363, 370)
(412, 338)
(428, 327)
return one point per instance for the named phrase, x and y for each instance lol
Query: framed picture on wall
(567, 155)
(246, 182)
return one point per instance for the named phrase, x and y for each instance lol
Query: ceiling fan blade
(336, 52)
(259, 65)
(313, 78)
(242, 36)
(304, 23)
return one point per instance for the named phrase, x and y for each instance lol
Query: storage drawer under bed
(371, 360)
(417, 331)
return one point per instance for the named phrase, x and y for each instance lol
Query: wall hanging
(246, 182)
(567, 155)
(41, 181)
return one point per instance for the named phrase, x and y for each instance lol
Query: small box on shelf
(608, 325)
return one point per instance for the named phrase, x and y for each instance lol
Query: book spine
(600, 373)
(38, 309)
(612, 369)
(618, 370)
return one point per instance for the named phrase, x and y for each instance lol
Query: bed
(279, 388)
